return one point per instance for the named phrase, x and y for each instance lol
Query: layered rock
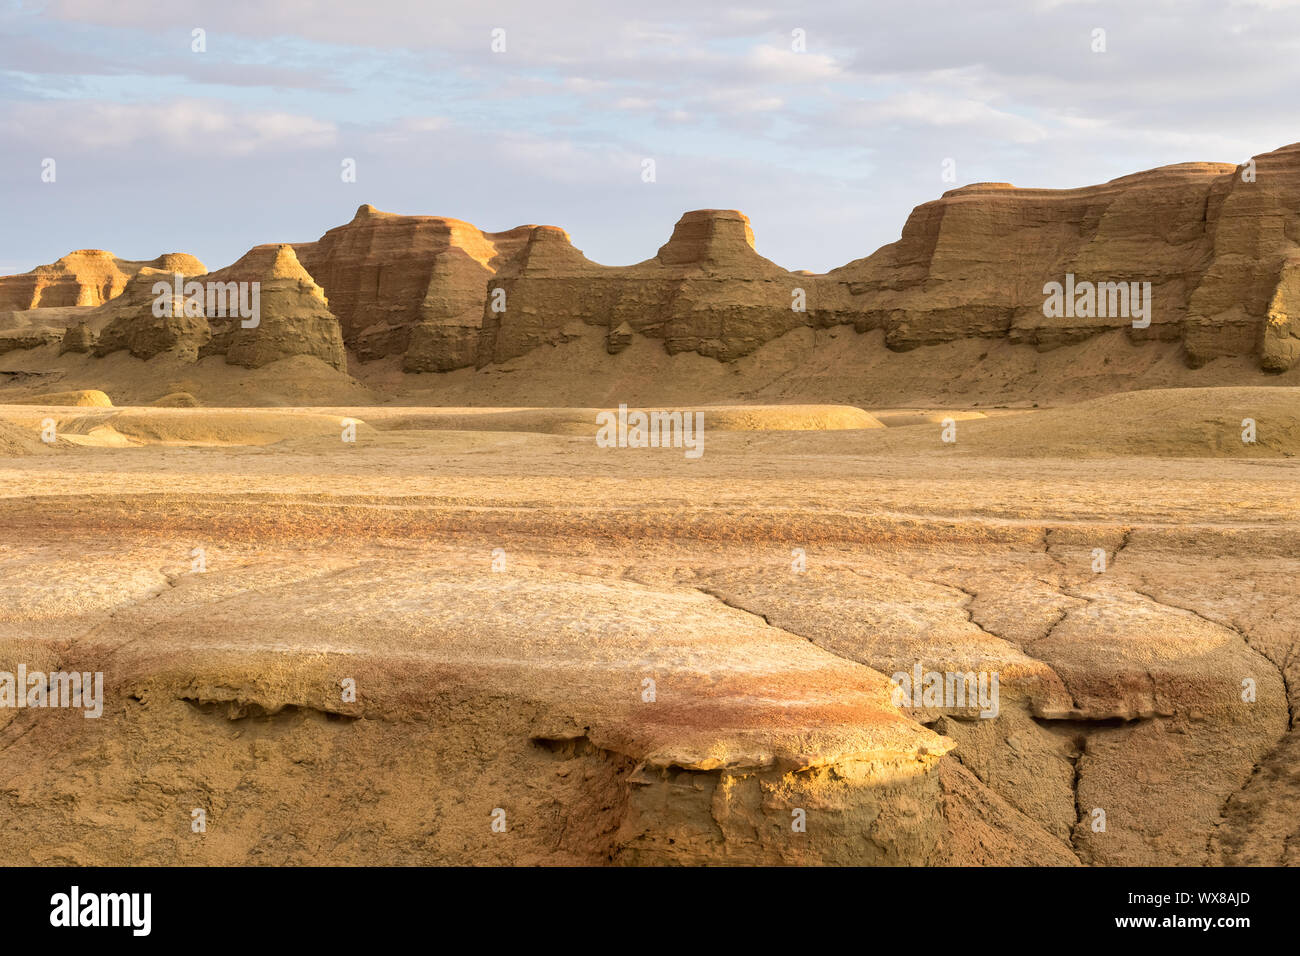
(87, 277)
(445, 333)
(131, 322)
(975, 262)
(1255, 218)
(1280, 347)
(288, 314)
(77, 338)
(385, 275)
(1217, 243)
(1211, 250)
(69, 301)
(707, 291)
(28, 338)
(717, 296)
(292, 315)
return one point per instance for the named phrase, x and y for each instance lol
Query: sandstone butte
(1219, 245)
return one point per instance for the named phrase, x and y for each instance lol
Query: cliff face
(975, 262)
(1218, 243)
(1200, 253)
(293, 316)
(87, 277)
(387, 276)
(706, 291)
(288, 317)
(1246, 300)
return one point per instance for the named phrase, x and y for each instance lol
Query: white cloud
(917, 109)
(183, 126)
(785, 64)
(556, 127)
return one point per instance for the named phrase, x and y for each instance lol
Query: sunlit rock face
(293, 317)
(1246, 299)
(409, 285)
(706, 291)
(1200, 254)
(87, 277)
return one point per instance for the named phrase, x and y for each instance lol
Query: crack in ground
(1245, 639)
(1081, 746)
(969, 608)
(1124, 542)
(763, 617)
(1286, 691)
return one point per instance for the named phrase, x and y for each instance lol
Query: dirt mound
(16, 441)
(177, 400)
(300, 380)
(80, 397)
(762, 418)
(901, 417)
(1160, 423)
(583, 421)
(193, 426)
(224, 426)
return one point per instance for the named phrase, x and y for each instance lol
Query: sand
(86, 397)
(182, 426)
(500, 590)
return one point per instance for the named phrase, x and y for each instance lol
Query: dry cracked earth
(565, 654)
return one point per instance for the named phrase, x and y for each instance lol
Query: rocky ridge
(1210, 253)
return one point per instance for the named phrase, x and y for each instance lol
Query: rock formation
(387, 275)
(1205, 254)
(87, 277)
(706, 291)
(1281, 345)
(77, 338)
(294, 317)
(1254, 218)
(974, 263)
(26, 338)
(129, 321)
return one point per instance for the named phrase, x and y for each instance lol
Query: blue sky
(162, 149)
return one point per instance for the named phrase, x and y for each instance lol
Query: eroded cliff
(1204, 254)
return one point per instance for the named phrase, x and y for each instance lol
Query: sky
(825, 122)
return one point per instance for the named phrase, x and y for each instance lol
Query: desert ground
(471, 635)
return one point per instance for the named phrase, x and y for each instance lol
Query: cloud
(777, 63)
(187, 126)
(917, 108)
(843, 138)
